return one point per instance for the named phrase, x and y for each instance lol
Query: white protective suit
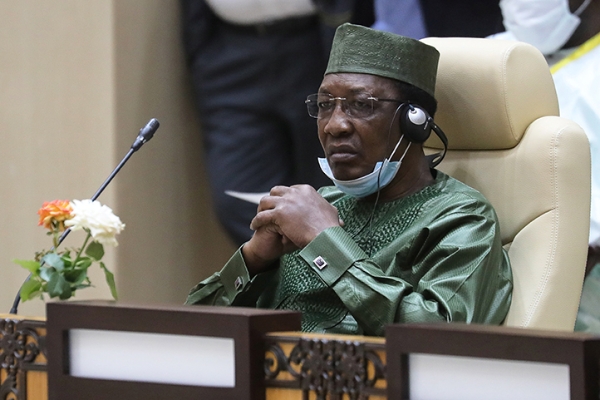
(577, 81)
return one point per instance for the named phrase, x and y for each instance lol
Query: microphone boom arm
(146, 133)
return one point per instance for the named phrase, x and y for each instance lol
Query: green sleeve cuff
(331, 253)
(234, 275)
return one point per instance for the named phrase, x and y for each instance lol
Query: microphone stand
(145, 135)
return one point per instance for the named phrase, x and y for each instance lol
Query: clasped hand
(287, 219)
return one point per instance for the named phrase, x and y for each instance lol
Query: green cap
(358, 49)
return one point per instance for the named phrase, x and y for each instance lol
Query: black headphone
(416, 125)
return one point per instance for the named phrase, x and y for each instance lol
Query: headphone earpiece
(415, 123)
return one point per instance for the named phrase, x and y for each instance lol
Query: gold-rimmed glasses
(361, 105)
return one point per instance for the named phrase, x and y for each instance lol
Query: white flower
(96, 218)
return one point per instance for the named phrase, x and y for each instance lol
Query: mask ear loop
(371, 217)
(582, 8)
(369, 221)
(395, 147)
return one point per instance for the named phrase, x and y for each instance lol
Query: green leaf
(30, 265)
(110, 279)
(84, 263)
(95, 250)
(47, 272)
(82, 286)
(54, 260)
(76, 276)
(67, 261)
(30, 289)
(59, 287)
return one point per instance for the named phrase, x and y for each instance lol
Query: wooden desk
(22, 358)
(298, 366)
(301, 366)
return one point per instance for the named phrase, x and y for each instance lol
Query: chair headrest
(489, 91)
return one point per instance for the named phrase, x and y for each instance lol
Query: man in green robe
(394, 240)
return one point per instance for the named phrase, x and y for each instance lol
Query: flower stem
(54, 234)
(89, 234)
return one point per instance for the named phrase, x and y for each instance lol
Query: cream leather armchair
(498, 107)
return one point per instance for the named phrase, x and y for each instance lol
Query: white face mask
(545, 24)
(382, 175)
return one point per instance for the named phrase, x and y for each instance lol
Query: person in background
(252, 64)
(394, 240)
(567, 32)
(440, 18)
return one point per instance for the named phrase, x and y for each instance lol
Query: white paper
(250, 197)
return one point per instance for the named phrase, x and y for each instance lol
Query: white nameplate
(467, 378)
(152, 357)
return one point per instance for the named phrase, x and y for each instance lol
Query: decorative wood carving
(329, 369)
(22, 349)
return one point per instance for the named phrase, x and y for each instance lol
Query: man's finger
(262, 218)
(267, 203)
(279, 190)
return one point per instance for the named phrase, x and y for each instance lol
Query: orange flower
(54, 213)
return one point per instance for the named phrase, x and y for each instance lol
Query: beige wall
(78, 79)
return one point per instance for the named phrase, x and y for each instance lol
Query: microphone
(146, 133)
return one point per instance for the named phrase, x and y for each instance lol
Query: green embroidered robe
(432, 256)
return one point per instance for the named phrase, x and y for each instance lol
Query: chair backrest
(498, 107)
